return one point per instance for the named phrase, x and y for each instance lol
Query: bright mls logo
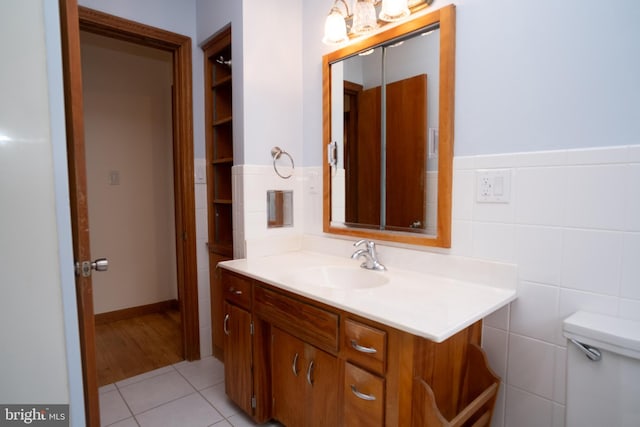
(37, 415)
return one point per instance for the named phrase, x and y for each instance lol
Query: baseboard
(141, 310)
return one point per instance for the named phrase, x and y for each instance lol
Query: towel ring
(276, 153)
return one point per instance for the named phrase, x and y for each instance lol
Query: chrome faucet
(371, 257)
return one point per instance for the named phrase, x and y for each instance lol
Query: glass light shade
(364, 17)
(394, 10)
(335, 28)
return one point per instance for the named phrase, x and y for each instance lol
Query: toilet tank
(603, 371)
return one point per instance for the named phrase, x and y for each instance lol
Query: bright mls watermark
(34, 415)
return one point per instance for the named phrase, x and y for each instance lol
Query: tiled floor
(187, 394)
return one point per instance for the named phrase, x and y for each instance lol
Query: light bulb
(394, 10)
(335, 28)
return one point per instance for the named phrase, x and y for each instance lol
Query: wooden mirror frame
(446, 18)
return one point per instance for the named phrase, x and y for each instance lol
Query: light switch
(493, 186)
(114, 177)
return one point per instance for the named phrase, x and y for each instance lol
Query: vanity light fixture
(364, 17)
(335, 26)
(363, 20)
(394, 10)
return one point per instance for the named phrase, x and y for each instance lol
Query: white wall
(34, 262)
(530, 76)
(178, 16)
(128, 132)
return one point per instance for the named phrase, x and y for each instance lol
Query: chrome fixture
(364, 18)
(369, 253)
(591, 352)
(277, 153)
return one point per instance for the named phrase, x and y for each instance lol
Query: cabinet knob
(361, 349)
(235, 291)
(361, 395)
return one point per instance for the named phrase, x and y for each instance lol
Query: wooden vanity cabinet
(246, 374)
(305, 382)
(316, 365)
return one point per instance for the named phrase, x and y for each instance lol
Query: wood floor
(133, 346)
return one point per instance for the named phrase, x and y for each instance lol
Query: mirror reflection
(384, 123)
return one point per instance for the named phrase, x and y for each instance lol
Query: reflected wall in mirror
(388, 111)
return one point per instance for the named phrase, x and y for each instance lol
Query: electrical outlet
(493, 186)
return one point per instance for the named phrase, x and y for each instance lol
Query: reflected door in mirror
(406, 133)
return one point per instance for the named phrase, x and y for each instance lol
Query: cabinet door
(237, 356)
(288, 378)
(322, 383)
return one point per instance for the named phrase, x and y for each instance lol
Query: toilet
(603, 371)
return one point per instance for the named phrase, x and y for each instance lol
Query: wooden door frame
(180, 47)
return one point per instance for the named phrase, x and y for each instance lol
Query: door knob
(101, 264)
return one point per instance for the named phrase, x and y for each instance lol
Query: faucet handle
(359, 242)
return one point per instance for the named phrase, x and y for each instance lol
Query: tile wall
(572, 226)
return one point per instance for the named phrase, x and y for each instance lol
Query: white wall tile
(464, 162)
(630, 309)
(560, 376)
(531, 365)
(461, 238)
(463, 194)
(200, 193)
(572, 301)
(494, 241)
(535, 312)
(206, 347)
(539, 159)
(527, 410)
(541, 195)
(632, 198)
(630, 281)
(495, 161)
(202, 254)
(596, 197)
(497, 419)
(633, 153)
(499, 318)
(558, 415)
(598, 155)
(539, 254)
(591, 261)
(494, 343)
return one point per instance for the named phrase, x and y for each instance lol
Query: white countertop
(431, 306)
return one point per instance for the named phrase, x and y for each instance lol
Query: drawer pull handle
(360, 395)
(361, 349)
(310, 373)
(225, 324)
(294, 366)
(235, 291)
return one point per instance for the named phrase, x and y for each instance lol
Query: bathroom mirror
(388, 132)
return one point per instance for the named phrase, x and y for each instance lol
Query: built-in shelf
(219, 148)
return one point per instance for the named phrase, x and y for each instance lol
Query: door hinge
(253, 402)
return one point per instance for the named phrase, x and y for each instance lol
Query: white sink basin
(338, 277)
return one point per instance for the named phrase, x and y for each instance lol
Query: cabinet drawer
(236, 289)
(312, 324)
(365, 345)
(363, 397)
